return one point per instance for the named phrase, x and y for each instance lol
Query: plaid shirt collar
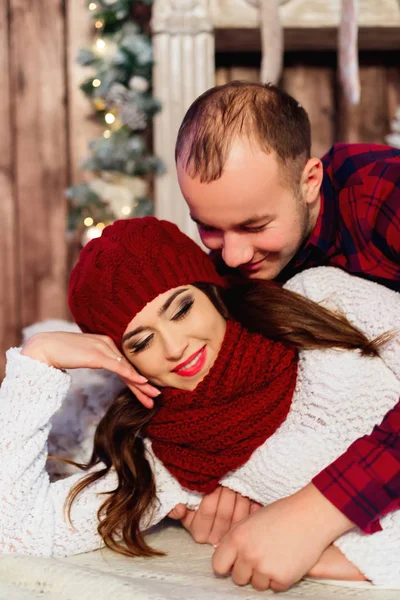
(326, 229)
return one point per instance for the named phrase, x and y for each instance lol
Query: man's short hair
(262, 113)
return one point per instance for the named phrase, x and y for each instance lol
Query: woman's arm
(32, 519)
(31, 509)
(363, 483)
(334, 565)
(374, 309)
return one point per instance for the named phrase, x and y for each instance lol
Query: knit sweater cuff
(30, 394)
(356, 493)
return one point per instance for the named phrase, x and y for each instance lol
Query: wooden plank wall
(8, 284)
(44, 133)
(311, 77)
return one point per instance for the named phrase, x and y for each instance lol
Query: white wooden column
(183, 44)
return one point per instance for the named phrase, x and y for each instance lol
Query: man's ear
(312, 179)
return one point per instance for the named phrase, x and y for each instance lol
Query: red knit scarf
(202, 435)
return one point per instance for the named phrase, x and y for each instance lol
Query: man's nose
(236, 250)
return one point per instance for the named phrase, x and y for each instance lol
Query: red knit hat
(132, 262)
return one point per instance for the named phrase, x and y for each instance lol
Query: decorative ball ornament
(139, 84)
(117, 94)
(133, 117)
(120, 192)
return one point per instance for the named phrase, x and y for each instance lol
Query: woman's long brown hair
(262, 307)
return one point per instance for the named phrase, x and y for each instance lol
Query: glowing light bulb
(96, 82)
(109, 118)
(106, 134)
(100, 44)
(126, 210)
(99, 24)
(100, 226)
(92, 6)
(90, 234)
(88, 221)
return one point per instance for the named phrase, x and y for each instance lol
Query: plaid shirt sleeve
(364, 482)
(382, 191)
(364, 181)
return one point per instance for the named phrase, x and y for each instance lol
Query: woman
(234, 404)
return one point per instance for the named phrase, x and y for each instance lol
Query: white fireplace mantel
(303, 13)
(185, 33)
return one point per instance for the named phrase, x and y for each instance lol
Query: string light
(92, 6)
(100, 44)
(106, 134)
(88, 222)
(90, 234)
(109, 118)
(99, 103)
(100, 226)
(126, 210)
(99, 24)
(96, 82)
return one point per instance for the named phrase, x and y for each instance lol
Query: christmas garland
(119, 90)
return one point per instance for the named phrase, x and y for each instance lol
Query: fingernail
(141, 379)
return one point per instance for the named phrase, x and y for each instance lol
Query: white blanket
(185, 573)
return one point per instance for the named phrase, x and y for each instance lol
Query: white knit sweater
(339, 397)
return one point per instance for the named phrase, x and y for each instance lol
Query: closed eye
(141, 345)
(255, 229)
(185, 308)
(206, 228)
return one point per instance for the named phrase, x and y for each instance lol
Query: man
(267, 209)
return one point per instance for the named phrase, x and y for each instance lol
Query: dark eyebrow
(162, 310)
(170, 300)
(254, 219)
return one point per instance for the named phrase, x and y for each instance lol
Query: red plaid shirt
(358, 230)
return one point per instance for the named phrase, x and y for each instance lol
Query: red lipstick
(193, 365)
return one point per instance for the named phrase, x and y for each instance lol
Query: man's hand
(66, 350)
(276, 546)
(217, 514)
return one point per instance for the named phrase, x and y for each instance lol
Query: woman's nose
(174, 346)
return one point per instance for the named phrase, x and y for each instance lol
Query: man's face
(250, 213)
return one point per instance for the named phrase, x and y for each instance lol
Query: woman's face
(175, 338)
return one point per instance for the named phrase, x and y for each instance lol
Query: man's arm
(363, 483)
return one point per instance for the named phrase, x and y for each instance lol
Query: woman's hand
(334, 565)
(217, 514)
(66, 350)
